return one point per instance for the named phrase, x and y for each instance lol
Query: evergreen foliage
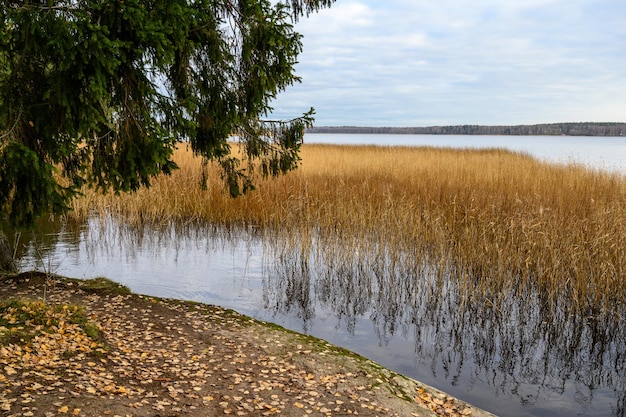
(99, 92)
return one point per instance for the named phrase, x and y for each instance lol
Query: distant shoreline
(548, 129)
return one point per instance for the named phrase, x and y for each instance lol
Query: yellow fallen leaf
(63, 409)
(76, 411)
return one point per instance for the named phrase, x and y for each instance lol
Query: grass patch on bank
(21, 322)
(498, 222)
(102, 285)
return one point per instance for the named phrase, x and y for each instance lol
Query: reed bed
(500, 223)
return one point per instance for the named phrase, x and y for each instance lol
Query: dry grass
(500, 222)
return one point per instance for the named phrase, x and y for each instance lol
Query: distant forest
(551, 129)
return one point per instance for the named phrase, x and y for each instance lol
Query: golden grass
(500, 222)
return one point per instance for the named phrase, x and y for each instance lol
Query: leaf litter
(106, 353)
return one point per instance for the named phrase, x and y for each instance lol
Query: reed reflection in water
(512, 354)
(555, 359)
(183, 261)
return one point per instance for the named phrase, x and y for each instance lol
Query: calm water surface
(513, 359)
(594, 151)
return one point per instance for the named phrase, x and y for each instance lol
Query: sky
(454, 62)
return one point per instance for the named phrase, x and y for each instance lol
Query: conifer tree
(99, 92)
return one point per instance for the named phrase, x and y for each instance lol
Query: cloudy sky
(448, 62)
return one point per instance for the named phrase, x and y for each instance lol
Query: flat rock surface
(146, 356)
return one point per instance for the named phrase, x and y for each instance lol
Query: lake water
(594, 151)
(517, 363)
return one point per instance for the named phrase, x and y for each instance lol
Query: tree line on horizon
(548, 129)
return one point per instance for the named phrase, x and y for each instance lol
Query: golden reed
(499, 221)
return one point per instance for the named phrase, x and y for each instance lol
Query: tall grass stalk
(498, 222)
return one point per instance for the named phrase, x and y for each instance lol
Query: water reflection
(510, 354)
(522, 347)
(38, 246)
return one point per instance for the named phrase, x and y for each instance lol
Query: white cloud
(406, 62)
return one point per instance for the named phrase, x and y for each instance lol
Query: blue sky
(448, 62)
